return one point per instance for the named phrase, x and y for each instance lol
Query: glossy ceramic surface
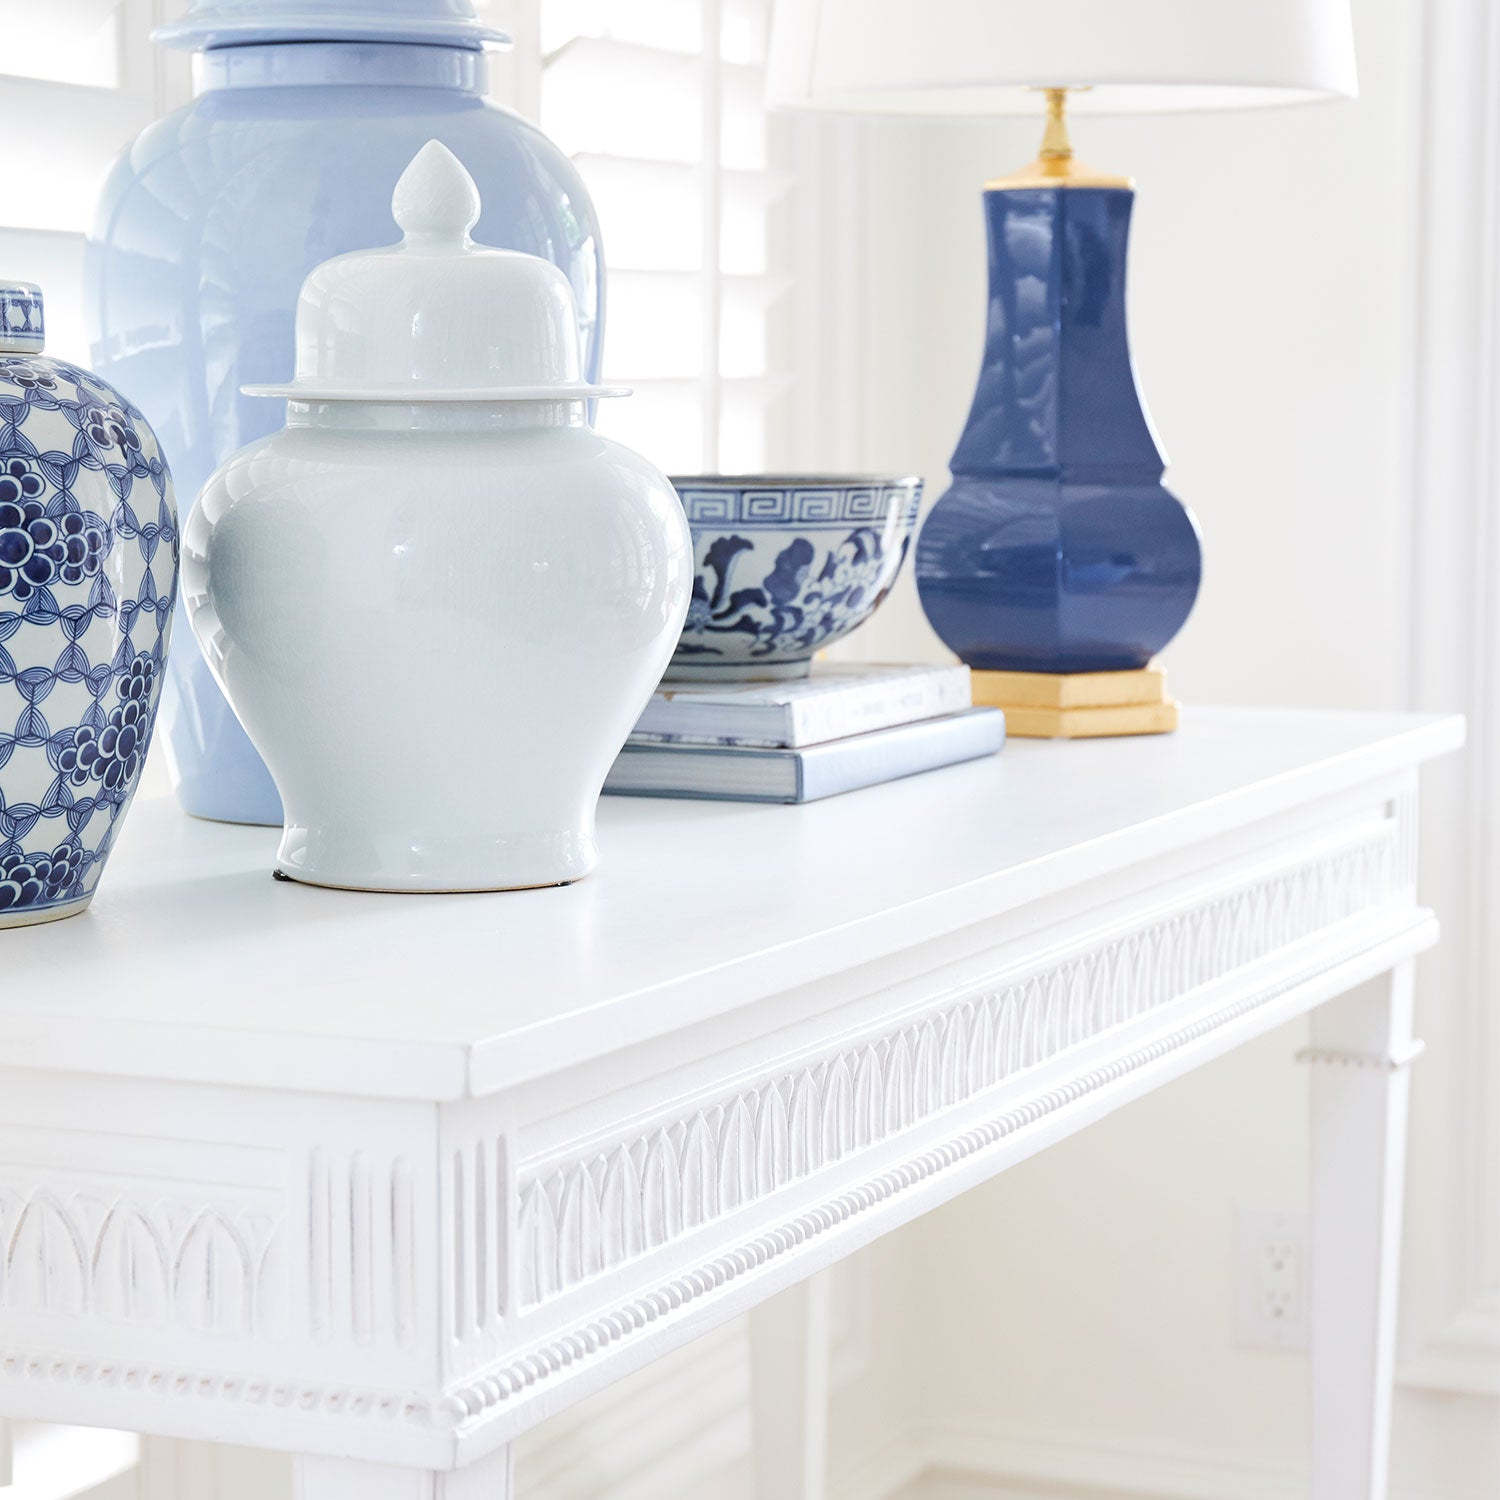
(88, 577)
(419, 321)
(1057, 548)
(786, 564)
(209, 223)
(235, 23)
(438, 619)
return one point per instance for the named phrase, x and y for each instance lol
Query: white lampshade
(980, 57)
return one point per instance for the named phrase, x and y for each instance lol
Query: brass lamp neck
(1056, 166)
(1055, 143)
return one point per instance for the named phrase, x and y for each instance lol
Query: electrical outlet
(1271, 1279)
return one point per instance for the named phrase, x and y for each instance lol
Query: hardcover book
(748, 774)
(835, 701)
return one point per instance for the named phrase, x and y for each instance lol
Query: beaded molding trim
(164, 1380)
(484, 1394)
(626, 1196)
(475, 1397)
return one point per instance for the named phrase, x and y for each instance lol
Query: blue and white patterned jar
(88, 577)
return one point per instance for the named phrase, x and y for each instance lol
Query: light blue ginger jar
(88, 580)
(305, 115)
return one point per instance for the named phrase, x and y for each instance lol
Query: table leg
(351, 1479)
(789, 1338)
(1360, 1055)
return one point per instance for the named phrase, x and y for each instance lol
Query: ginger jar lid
(236, 23)
(437, 317)
(22, 329)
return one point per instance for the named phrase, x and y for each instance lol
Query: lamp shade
(980, 57)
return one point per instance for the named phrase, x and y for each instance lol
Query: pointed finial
(435, 197)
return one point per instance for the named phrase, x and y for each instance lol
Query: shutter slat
(755, 390)
(61, 41)
(671, 25)
(634, 173)
(59, 17)
(749, 291)
(606, 60)
(54, 185)
(674, 147)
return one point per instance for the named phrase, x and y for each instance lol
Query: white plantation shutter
(78, 80)
(660, 104)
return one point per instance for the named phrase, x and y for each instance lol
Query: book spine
(837, 716)
(827, 770)
(774, 741)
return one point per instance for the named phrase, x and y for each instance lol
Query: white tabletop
(193, 964)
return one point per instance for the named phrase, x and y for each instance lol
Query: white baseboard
(684, 1434)
(949, 1462)
(1463, 1356)
(681, 1431)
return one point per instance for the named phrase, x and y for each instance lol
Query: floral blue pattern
(38, 549)
(34, 879)
(88, 578)
(785, 569)
(798, 605)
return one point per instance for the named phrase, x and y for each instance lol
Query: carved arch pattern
(592, 1213)
(207, 1269)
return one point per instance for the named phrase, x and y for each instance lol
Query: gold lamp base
(1078, 705)
(1057, 166)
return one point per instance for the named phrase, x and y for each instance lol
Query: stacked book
(845, 726)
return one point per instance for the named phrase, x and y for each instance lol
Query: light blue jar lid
(239, 23)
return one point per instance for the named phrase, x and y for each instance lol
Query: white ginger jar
(437, 600)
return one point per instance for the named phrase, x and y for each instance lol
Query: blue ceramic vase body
(1057, 547)
(88, 576)
(214, 216)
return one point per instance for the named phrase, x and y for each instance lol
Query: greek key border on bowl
(863, 505)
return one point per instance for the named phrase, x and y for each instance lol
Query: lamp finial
(1056, 166)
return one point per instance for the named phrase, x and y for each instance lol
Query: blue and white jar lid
(22, 330)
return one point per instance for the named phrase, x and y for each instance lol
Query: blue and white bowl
(785, 565)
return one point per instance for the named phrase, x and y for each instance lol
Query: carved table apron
(384, 1181)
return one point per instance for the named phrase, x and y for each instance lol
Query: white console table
(384, 1181)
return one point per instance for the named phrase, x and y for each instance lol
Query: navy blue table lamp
(1057, 552)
